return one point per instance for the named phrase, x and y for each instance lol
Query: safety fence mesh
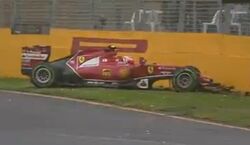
(205, 16)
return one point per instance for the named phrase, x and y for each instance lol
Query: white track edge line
(129, 109)
(83, 101)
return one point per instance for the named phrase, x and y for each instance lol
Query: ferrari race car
(103, 67)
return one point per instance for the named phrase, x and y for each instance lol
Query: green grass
(229, 109)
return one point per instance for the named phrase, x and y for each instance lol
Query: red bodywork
(103, 67)
(106, 65)
(33, 56)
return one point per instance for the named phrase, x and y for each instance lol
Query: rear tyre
(185, 80)
(43, 76)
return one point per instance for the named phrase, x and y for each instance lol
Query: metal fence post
(1, 14)
(181, 25)
(195, 17)
(52, 12)
(93, 13)
(221, 23)
(228, 17)
(14, 14)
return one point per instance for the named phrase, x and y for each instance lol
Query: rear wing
(32, 56)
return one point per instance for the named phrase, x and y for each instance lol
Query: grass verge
(229, 109)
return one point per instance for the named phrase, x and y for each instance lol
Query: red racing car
(103, 67)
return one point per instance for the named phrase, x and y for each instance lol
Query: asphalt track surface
(33, 120)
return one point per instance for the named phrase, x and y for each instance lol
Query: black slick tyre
(185, 80)
(43, 76)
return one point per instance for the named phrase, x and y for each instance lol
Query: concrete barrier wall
(222, 57)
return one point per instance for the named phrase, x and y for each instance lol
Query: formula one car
(103, 67)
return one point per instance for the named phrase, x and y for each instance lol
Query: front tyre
(43, 76)
(185, 80)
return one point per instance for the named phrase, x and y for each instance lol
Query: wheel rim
(43, 75)
(184, 80)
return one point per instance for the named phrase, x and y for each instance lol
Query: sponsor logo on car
(106, 73)
(150, 69)
(81, 60)
(124, 72)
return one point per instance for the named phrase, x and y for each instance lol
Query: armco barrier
(224, 58)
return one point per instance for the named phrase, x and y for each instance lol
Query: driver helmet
(112, 46)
